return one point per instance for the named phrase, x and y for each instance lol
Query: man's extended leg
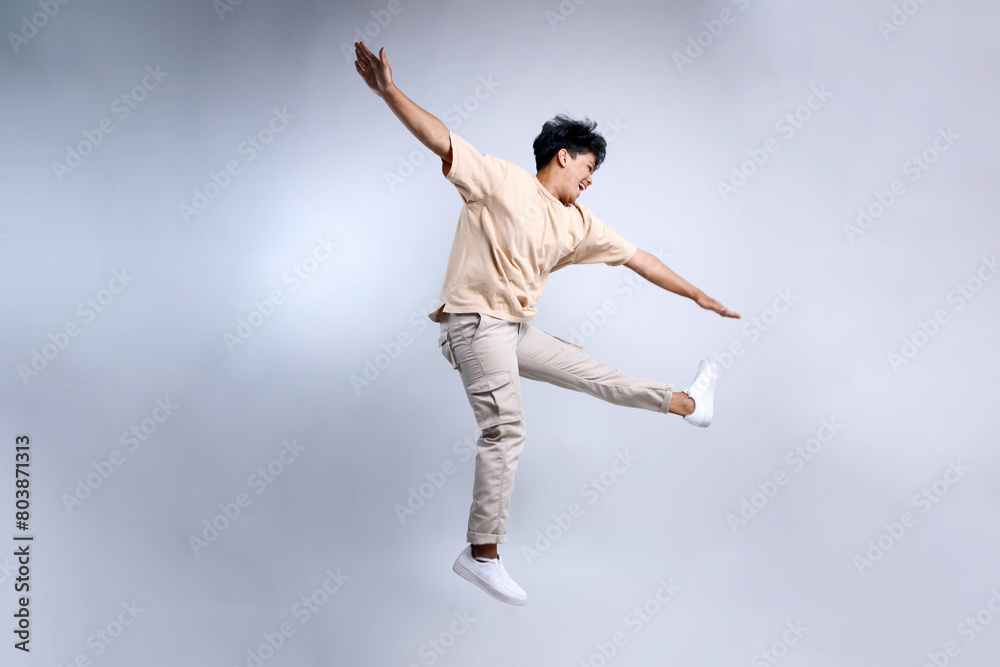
(541, 356)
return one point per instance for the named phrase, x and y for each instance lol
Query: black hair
(576, 136)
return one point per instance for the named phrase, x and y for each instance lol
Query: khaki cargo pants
(492, 355)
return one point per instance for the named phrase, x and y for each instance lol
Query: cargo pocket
(445, 346)
(494, 400)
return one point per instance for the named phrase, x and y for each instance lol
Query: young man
(515, 229)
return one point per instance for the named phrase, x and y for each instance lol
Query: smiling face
(565, 176)
(579, 173)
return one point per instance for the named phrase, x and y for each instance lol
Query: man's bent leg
(542, 356)
(485, 349)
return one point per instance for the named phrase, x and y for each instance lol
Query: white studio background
(218, 249)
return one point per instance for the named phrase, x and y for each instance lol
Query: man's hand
(428, 129)
(373, 69)
(709, 303)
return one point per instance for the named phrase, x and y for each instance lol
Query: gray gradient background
(325, 175)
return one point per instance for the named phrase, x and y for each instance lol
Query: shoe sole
(470, 576)
(713, 375)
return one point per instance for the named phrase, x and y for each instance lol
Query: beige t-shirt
(511, 234)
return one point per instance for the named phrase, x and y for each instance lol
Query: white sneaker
(702, 391)
(490, 576)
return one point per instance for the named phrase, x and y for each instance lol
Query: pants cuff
(668, 394)
(485, 538)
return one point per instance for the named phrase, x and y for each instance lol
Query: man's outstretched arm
(658, 273)
(426, 127)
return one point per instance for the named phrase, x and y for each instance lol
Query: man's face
(579, 171)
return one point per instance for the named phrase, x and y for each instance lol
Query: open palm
(373, 69)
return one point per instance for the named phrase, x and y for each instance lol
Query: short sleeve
(475, 175)
(602, 244)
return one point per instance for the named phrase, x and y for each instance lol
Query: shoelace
(702, 381)
(500, 568)
(503, 572)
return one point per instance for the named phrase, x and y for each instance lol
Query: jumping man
(515, 228)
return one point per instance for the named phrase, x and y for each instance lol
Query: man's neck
(545, 178)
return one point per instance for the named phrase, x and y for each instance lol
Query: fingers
(365, 56)
(365, 69)
(370, 57)
(715, 306)
(722, 310)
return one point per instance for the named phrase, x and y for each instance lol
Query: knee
(505, 433)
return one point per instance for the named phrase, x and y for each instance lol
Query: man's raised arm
(426, 127)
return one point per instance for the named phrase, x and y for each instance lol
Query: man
(513, 231)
